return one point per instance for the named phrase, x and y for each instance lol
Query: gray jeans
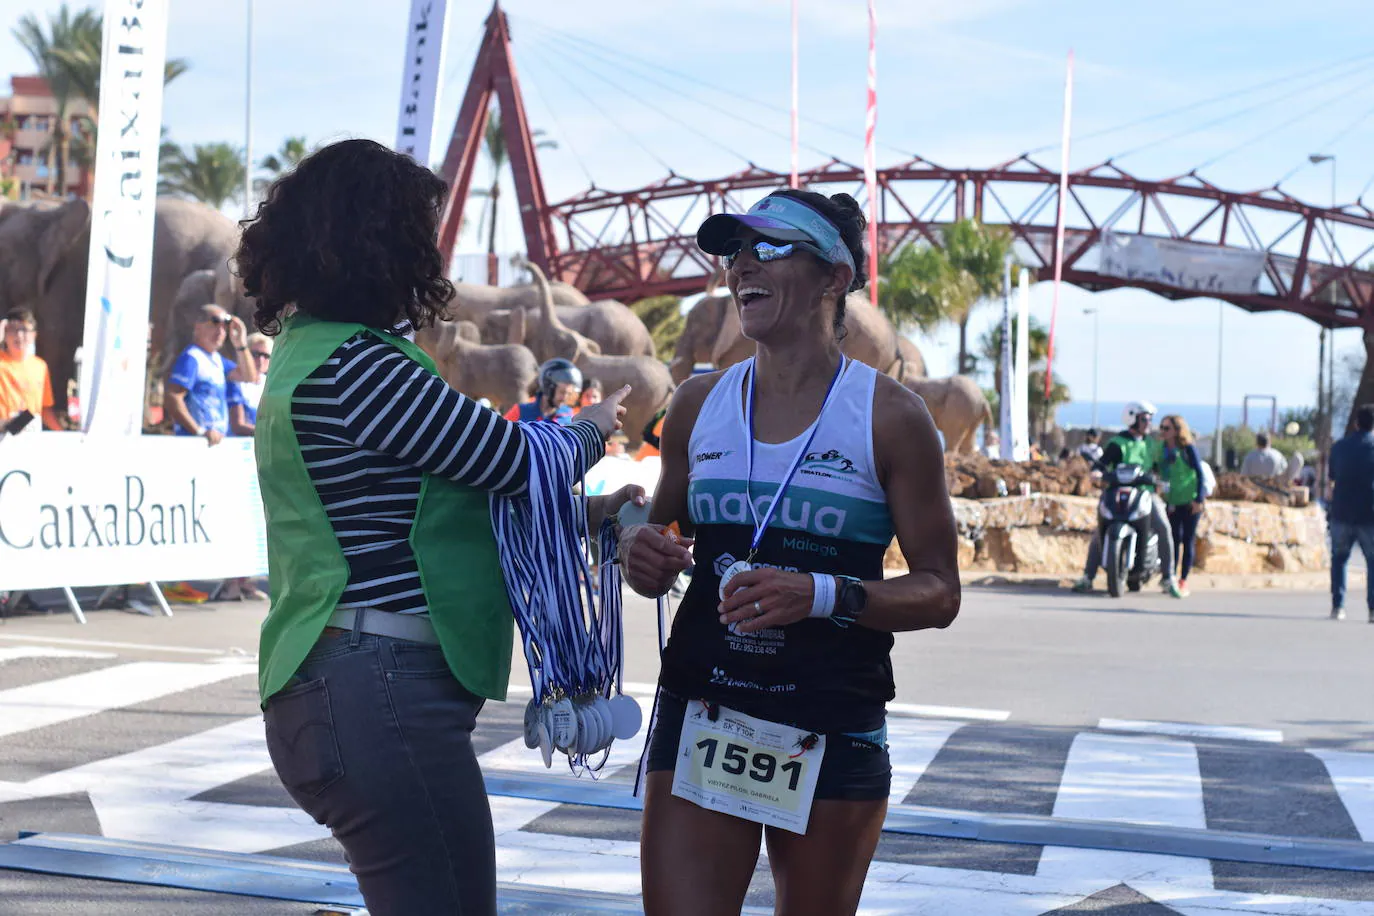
(1159, 520)
(373, 739)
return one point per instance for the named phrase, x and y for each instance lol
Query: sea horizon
(1201, 417)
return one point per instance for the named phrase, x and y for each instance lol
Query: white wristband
(823, 598)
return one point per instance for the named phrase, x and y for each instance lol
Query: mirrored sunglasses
(766, 250)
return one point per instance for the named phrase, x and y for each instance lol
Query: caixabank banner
(81, 511)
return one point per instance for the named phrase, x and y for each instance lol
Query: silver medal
(735, 568)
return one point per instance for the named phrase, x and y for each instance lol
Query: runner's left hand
(783, 597)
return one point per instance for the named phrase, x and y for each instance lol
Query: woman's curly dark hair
(348, 235)
(847, 216)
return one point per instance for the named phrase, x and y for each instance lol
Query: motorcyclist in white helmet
(1133, 445)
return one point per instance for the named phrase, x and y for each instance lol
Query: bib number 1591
(762, 767)
(734, 763)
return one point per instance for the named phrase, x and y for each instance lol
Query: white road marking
(948, 712)
(911, 745)
(146, 647)
(146, 794)
(63, 699)
(11, 653)
(1352, 773)
(1192, 730)
(1135, 781)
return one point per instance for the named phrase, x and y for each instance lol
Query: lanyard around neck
(761, 525)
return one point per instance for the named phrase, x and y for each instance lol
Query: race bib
(751, 768)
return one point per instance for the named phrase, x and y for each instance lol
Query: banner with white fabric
(119, 276)
(424, 65)
(1206, 269)
(84, 511)
(81, 511)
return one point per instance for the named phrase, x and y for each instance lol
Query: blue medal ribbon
(760, 526)
(572, 637)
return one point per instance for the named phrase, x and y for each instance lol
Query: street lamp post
(1326, 353)
(248, 120)
(1093, 312)
(1221, 337)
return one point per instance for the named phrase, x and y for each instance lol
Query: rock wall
(1049, 534)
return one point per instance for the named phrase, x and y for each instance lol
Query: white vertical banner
(119, 277)
(1020, 416)
(424, 66)
(1006, 398)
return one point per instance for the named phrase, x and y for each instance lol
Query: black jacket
(1352, 469)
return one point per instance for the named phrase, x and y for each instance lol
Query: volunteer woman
(389, 622)
(801, 641)
(1185, 501)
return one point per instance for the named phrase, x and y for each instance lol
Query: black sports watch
(850, 601)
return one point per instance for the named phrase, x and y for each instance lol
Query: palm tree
(67, 55)
(293, 150)
(494, 141)
(990, 347)
(211, 173)
(929, 286)
(79, 58)
(1042, 408)
(41, 43)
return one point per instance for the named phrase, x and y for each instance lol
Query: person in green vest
(1186, 499)
(389, 625)
(1133, 445)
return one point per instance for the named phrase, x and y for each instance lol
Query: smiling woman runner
(775, 679)
(389, 622)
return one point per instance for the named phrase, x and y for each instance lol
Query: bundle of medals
(570, 627)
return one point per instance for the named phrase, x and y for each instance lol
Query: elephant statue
(473, 301)
(650, 383)
(958, 407)
(712, 334)
(43, 262)
(501, 373)
(612, 325)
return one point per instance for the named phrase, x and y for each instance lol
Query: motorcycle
(1125, 510)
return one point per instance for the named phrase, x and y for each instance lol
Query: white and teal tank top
(833, 519)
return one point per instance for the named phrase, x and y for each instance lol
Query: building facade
(28, 155)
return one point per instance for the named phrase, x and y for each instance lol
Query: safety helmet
(1133, 411)
(555, 372)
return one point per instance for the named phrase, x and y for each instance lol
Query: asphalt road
(1227, 711)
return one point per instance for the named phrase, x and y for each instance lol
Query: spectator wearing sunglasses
(198, 388)
(1186, 497)
(244, 396)
(243, 418)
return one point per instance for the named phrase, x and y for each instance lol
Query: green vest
(1184, 486)
(1145, 452)
(460, 568)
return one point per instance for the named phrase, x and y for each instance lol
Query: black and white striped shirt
(369, 420)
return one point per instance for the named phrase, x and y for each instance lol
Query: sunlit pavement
(1227, 711)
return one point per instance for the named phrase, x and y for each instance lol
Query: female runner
(793, 648)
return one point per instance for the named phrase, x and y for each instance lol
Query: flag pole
(870, 161)
(795, 182)
(1059, 220)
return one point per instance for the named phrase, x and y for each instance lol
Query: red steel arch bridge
(1302, 258)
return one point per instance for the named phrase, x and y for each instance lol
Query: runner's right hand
(608, 414)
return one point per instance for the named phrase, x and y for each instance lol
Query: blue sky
(961, 82)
